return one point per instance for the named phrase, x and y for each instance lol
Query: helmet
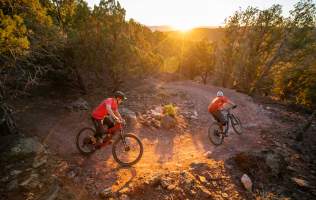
(120, 94)
(220, 93)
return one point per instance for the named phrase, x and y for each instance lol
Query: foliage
(199, 60)
(30, 45)
(258, 52)
(170, 110)
(13, 37)
(265, 53)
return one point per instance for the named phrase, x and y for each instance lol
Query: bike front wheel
(84, 141)
(127, 150)
(215, 134)
(236, 124)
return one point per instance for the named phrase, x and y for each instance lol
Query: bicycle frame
(229, 117)
(118, 127)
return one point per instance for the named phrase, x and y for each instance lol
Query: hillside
(196, 34)
(178, 163)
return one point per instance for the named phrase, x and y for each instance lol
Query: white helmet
(220, 93)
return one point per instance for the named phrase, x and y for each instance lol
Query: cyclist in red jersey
(216, 107)
(106, 114)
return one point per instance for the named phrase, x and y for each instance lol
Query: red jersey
(101, 112)
(217, 103)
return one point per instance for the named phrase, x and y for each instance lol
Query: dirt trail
(251, 115)
(163, 150)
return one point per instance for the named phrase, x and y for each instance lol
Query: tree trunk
(204, 77)
(81, 83)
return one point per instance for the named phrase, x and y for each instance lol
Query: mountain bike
(127, 149)
(216, 135)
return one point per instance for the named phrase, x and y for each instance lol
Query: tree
(199, 60)
(265, 53)
(29, 41)
(295, 77)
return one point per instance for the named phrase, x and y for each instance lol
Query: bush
(170, 110)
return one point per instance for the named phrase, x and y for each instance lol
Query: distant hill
(207, 32)
(211, 34)
(164, 28)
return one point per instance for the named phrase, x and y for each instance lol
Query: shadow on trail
(158, 144)
(98, 175)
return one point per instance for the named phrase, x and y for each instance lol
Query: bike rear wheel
(215, 134)
(84, 141)
(127, 150)
(236, 124)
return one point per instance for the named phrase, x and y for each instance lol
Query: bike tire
(80, 133)
(214, 134)
(120, 140)
(235, 121)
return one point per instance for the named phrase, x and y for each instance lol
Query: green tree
(294, 78)
(199, 60)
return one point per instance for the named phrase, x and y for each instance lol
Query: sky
(185, 14)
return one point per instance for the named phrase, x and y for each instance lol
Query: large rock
(39, 161)
(124, 197)
(156, 123)
(31, 182)
(265, 162)
(156, 115)
(13, 185)
(168, 122)
(25, 146)
(300, 182)
(195, 115)
(165, 182)
(129, 115)
(246, 181)
(275, 162)
(208, 154)
(79, 104)
(106, 193)
(53, 192)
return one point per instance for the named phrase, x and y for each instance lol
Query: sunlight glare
(183, 27)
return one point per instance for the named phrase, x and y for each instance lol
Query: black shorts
(219, 117)
(100, 127)
(108, 121)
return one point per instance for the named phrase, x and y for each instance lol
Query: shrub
(170, 110)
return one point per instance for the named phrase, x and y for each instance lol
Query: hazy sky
(190, 13)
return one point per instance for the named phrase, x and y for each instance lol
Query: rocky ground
(179, 161)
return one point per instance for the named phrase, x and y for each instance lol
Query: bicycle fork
(126, 147)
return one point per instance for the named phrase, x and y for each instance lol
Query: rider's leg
(108, 123)
(218, 116)
(99, 130)
(223, 121)
(100, 137)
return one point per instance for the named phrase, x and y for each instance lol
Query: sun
(183, 27)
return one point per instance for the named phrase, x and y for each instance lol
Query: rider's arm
(117, 113)
(110, 111)
(231, 103)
